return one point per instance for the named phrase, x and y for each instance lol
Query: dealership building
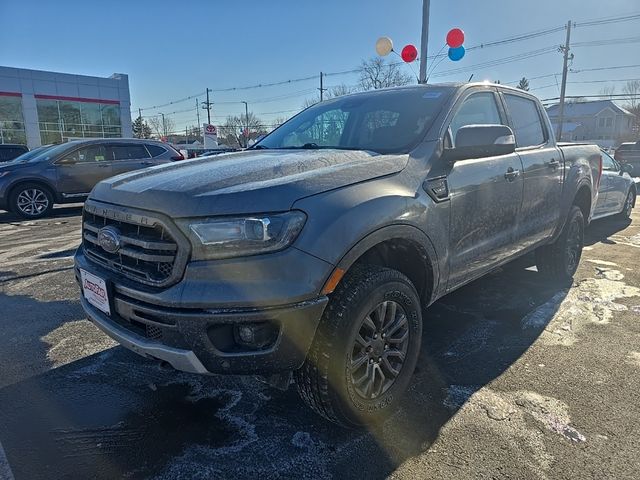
(38, 108)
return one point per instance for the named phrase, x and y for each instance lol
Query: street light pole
(246, 116)
(424, 41)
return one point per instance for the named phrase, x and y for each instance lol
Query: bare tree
(606, 92)
(632, 90)
(233, 131)
(278, 121)
(378, 73)
(332, 92)
(160, 128)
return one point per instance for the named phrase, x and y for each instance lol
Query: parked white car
(617, 191)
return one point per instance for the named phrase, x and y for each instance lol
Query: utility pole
(424, 41)
(207, 106)
(565, 71)
(246, 116)
(322, 90)
(140, 113)
(164, 126)
(198, 115)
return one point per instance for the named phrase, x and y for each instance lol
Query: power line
(608, 20)
(604, 68)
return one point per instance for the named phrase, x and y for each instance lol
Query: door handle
(103, 165)
(511, 174)
(147, 163)
(553, 163)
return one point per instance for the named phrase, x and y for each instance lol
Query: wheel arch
(404, 248)
(39, 181)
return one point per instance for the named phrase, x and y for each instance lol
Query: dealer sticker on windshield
(94, 290)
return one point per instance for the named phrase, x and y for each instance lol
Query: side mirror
(480, 141)
(626, 167)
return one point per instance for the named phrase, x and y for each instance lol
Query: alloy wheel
(32, 201)
(574, 246)
(380, 349)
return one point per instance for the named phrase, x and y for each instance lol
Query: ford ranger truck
(316, 251)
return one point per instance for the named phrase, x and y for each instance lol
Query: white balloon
(384, 46)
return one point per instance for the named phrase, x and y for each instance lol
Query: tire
(31, 200)
(559, 260)
(628, 205)
(330, 380)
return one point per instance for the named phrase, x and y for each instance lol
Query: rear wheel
(31, 200)
(365, 349)
(628, 204)
(559, 261)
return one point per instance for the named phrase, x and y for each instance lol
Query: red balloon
(455, 38)
(409, 53)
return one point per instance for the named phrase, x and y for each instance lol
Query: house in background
(601, 121)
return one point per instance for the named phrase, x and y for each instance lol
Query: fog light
(245, 333)
(257, 335)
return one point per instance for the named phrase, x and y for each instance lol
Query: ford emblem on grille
(109, 239)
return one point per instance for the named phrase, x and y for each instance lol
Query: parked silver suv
(32, 183)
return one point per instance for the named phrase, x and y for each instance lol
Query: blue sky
(175, 49)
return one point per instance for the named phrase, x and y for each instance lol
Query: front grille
(148, 251)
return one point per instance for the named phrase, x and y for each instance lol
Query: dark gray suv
(32, 183)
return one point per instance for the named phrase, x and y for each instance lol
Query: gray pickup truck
(317, 251)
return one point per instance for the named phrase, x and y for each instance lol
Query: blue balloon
(456, 54)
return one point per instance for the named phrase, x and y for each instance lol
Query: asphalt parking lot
(517, 379)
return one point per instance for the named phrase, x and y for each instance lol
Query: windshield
(391, 121)
(32, 156)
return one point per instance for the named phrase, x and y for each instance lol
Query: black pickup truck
(317, 251)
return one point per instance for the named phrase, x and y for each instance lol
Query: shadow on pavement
(115, 414)
(62, 211)
(599, 231)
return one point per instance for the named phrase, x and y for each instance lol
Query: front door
(542, 165)
(79, 170)
(486, 195)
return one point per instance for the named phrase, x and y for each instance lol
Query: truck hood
(245, 182)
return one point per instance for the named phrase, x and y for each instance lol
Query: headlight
(236, 237)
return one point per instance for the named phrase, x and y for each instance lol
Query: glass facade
(11, 120)
(61, 120)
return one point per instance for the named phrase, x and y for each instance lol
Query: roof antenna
(470, 77)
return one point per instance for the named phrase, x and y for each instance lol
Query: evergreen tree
(524, 84)
(141, 129)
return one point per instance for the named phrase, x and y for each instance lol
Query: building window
(609, 122)
(11, 120)
(61, 120)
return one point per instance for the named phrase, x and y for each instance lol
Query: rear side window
(527, 124)
(156, 150)
(477, 109)
(129, 152)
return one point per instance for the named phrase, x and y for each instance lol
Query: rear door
(615, 186)
(486, 195)
(542, 169)
(78, 171)
(128, 157)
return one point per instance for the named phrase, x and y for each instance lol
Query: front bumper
(200, 339)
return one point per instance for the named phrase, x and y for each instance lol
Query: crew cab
(316, 251)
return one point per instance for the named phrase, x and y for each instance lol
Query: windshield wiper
(258, 147)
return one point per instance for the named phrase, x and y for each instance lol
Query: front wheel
(365, 349)
(559, 261)
(31, 201)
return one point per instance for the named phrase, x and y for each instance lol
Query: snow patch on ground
(590, 301)
(634, 358)
(602, 262)
(71, 341)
